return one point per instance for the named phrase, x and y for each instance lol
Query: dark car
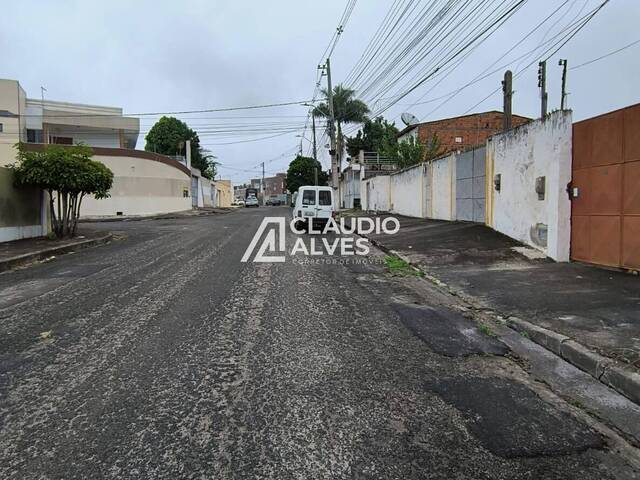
(274, 201)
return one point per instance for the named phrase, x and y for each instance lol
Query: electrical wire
(605, 55)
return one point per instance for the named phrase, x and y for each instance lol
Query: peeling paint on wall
(539, 149)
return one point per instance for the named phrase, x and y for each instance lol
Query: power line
(605, 55)
(595, 12)
(208, 110)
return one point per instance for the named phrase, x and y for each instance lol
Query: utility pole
(313, 127)
(542, 83)
(507, 94)
(563, 98)
(45, 134)
(332, 130)
(262, 184)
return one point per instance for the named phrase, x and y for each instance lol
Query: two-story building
(144, 182)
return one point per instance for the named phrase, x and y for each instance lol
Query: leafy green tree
(410, 151)
(371, 136)
(301, 172)
(346, 109)
(433, 148)
(67, 174)
(169, 136)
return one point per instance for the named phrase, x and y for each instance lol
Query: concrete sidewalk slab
(199, 212)
(21, 252)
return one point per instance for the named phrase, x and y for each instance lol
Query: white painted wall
(442, 191)
(407, 191)
(205, 185)
(375, 197)
(140, 187)
(350, 185)
(540, 148)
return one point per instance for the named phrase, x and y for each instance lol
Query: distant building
(239, 191)
(460, 133)
(223, 193)
(275, 185)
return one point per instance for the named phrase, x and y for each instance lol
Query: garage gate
(605, 189)
(470, 185)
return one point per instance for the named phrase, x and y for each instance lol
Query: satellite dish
(409, 119)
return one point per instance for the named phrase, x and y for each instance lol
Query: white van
(315, 204)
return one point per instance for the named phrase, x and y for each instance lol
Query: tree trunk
(52, 211)
(65, 215)
(76, 214)
(59, 223)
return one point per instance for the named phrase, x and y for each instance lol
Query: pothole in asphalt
(447, 332)
(510, 420)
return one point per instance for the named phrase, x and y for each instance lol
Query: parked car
(240, 202)
(315, 204)
(274, 201)
(251, 201)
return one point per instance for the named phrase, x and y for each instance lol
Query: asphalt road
(161, 355)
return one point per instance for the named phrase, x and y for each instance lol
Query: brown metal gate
(605, 209)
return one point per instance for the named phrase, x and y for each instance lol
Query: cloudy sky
(165, 56)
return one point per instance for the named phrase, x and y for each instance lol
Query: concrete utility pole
(563, 98)
(507, 93)
(315, 176)
(332, 130)
(262, 184)
(542, 83)
(313, 127)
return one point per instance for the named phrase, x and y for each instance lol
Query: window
(309, 197)
(458, 139)
(34, 136)
(62, 140)
(1, 128)
(324, 197)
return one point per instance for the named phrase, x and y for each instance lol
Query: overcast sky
(157, 56)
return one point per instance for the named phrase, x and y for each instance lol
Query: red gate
(605, 211)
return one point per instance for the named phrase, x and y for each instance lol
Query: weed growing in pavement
(397, 266)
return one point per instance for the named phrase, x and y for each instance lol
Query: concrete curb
(162, 216)
(622, 380)
(26, 258)
(602, 368)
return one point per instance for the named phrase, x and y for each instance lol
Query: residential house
(276, 185)
(365, 165)
(223, 193)
(144, 182)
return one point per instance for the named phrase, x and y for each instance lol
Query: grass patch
(397, 266)
(486, 329)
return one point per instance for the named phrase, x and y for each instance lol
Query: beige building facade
(145, 183)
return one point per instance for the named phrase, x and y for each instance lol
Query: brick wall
(275, 185)
(461, 133)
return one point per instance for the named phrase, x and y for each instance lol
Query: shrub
(67, 174)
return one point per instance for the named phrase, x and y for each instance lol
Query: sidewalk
(21, 252)
(584, 305)
(197, 212)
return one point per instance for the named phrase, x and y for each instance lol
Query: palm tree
(346, 109)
